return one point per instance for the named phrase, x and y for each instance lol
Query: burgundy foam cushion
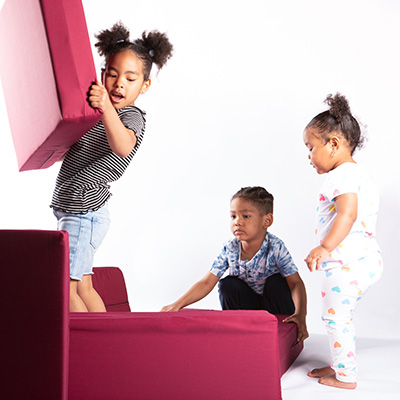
(110, 285)
(45, 44)
(34, 317)
(183, 355)
(289, 349)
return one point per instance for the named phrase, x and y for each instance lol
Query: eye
(111, 75)
(246, 216)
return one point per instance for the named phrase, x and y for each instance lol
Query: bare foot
(321, 372)
(332, 381)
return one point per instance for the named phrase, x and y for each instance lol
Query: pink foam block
(46, 70)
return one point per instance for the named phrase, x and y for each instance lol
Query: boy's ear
(268, 220)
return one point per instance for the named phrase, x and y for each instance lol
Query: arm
(198, 291)
(299, 297)
(346, 209)
(121, 139)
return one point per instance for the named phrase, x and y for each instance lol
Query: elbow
(124, 146)
(121, 154)
(123, 151)
(352, 218)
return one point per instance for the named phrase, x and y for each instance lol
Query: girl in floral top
(347, 252)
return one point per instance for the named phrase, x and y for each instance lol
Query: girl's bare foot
(321, 372)
(332, 381)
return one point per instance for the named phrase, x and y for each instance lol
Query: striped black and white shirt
(89, 166)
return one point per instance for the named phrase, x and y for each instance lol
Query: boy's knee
(276, 283)
(277, 296)
(228, 284)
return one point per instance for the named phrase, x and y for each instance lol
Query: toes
(312, 374)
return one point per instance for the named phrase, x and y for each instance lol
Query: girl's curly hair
(152, 47)
(338, 119)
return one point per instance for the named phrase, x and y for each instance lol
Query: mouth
(238, 232)
(116, 97)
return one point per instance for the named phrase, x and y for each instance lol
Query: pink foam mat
(185, 355)
(44, 44)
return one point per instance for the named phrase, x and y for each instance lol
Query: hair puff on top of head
(157, 45)
(152, 48)
(109, 39)
(338, 106)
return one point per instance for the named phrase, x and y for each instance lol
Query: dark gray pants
(235, 294)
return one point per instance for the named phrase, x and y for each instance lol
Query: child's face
(247, 224)
(124, 80)
(320, 154)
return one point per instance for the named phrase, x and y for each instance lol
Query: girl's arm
(346, 209)
(299, 297)
(198, 291)
(121, 139)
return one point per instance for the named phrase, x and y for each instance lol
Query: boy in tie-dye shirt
(261, 272)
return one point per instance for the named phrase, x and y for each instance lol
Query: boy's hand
(316, 256)
(300, 321)
(98, 96)
(171, 307)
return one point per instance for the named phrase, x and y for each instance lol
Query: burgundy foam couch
(49, 353)
(47, 43)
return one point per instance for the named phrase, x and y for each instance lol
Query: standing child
(347, 253)
(102, 155)
(262, 274)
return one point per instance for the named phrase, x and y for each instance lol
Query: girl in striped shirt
(102, 155)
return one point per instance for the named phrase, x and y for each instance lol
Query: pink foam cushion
(45, 44)
(184, 355)
(289, 349)
(34, 317)
(110, 285)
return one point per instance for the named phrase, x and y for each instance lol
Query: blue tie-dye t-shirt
(272, 258)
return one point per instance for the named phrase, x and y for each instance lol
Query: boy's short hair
(263, 200)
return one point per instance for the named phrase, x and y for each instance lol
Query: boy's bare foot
(321, 372)
(332, 381)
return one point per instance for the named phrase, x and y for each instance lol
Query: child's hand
(316, 256)
(171, 307)
(302, 333)
(98, 96)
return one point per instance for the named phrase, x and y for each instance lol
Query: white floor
(379, 372)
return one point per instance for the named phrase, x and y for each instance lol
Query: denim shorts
(86, 232)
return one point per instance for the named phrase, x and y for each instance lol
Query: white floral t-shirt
(349, 178)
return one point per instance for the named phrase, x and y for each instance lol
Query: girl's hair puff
(263, 200)
(338, 120)
(152, 47)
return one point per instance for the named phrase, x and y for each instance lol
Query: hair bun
(338, 106)
(118, 34)
(157, 46)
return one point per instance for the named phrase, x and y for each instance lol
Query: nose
(238, 221)
(118, 82)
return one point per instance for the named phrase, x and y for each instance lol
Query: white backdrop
(229, 111)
